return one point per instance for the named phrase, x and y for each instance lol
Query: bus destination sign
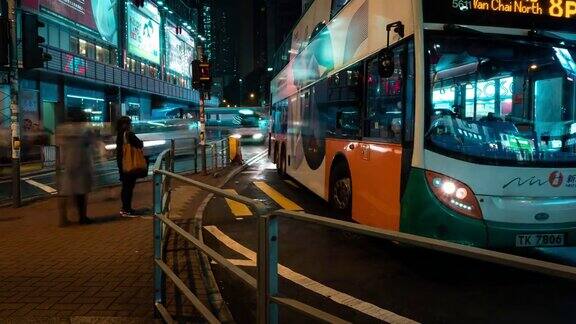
(539, 14)
(552, 8)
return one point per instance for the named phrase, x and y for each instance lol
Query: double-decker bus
(451, 119)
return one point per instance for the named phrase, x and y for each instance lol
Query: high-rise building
(216, 26)
(224, 54)
(206, 27)
(260, 35)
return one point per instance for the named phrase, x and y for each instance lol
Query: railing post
(195, 143)
(217, 154)
(172, 154)
(62, 201)
(159, 279)
(213, 152)
(267, 258)
(203, 152)
(227, 151)
(223, 152)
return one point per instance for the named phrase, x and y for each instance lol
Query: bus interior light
(236, 136)
(454, 194)
(257, 136)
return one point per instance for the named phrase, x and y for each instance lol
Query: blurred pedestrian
(76, 142)
(125, 135)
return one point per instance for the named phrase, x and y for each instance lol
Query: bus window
(336, 6)
(490, 104)
(341, 107)
(384, 101)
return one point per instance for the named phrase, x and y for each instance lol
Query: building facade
(109, 58)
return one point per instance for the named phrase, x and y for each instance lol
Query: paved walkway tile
(78, 273)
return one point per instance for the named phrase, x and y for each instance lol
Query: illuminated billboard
(144, 32)
(95, 16)
(180, 51)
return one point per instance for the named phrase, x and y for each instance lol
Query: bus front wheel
(341, 191)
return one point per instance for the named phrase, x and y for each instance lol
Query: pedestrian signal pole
(202, 81)
(203, 133)
(14, 108)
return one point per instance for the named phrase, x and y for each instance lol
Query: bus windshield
(501, 100)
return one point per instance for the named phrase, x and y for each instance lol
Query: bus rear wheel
(341, 192)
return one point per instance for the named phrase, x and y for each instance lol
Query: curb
(215, 297)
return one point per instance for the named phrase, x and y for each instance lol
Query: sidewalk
(78, 273)
(97, 273)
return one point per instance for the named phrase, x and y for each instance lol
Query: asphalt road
(368, 280)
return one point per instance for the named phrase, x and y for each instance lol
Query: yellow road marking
(284, 202)
(310, 284)
(238, 209)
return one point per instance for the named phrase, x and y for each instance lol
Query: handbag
(133, 160)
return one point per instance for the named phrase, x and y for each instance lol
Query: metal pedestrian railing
(266, 283)
(162, 188)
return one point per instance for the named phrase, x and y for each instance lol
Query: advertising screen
(144, 32)
(180, 49)
(96, 16)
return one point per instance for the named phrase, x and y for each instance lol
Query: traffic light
(4, 34)
(201, 77)
(33, 55)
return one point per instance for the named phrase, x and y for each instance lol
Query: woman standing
(125, 133)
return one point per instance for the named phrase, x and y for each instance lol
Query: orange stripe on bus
(376, 170)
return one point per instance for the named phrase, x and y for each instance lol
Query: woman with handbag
(129, 156)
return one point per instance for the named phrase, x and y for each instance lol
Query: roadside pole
(14, 108)
(201, 81)
(203, 133)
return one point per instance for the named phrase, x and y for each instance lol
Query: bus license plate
(525, 240)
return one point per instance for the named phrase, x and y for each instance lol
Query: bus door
(379, 157)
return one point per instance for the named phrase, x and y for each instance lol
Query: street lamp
(252, 96)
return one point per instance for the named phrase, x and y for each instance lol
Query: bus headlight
(454, 194)
(257, 136)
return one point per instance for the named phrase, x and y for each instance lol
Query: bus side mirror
(386, 63)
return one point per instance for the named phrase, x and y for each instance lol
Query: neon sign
(552, 8)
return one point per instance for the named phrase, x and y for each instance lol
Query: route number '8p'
(562, 8)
